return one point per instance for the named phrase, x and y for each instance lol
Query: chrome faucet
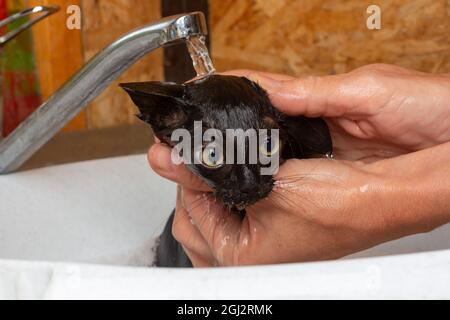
(90, 81)
(43, 11)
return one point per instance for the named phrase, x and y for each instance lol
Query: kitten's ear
(160, 103)
(308, 137)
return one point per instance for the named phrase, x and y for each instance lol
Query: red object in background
(3, 15)
(20, 83)
(19, 102)
(3, 12)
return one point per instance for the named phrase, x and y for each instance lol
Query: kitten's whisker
(202, 219)
(195, 204)
(206, 212)
(294, 191)
(297, 175)
(200, 202)
(299, 195)
(283, 183)
(200, 198)
(304, 176)
(281, 200)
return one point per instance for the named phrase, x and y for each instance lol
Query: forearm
(416, 187)
(432, 176)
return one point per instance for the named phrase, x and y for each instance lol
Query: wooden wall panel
(328, 36)
(105, 21)
(19, 81)
(58, 53)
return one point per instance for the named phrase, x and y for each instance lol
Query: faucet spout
(90, 81)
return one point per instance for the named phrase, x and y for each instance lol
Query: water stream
(200, 56)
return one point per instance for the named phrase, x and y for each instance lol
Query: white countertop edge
(424, 275)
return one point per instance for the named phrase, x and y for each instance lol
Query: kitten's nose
(248, 184)
(247, 188)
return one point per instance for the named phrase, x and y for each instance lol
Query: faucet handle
(45, 10)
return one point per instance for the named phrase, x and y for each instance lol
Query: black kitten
(225, 102)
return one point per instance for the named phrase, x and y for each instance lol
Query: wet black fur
(223, 102)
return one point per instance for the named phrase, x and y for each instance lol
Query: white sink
(87, 230)
(102, 211)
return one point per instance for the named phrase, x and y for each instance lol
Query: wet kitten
(221, 103)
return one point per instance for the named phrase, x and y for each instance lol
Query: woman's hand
(322, 209)
(374, 112)
(319, 209)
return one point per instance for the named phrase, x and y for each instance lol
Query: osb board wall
(58, 53)
(300, 37)
(61, 52)
(105, 21)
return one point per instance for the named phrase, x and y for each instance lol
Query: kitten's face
(221, 103)
(237, 185)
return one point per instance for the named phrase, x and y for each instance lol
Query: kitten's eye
(269, 146)
(212, 157)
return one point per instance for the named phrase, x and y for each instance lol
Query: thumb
(219, 227)
(312, 96)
